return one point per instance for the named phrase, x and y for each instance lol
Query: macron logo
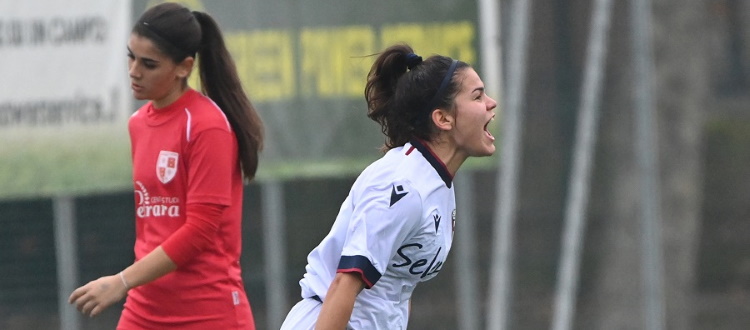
(397, 193)
(436, 217)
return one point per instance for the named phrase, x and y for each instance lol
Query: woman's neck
(171, 97)
(448, 154)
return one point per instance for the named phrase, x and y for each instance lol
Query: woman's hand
(94, 297)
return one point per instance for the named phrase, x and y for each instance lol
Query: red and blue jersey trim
(436, 163)
(361, 265)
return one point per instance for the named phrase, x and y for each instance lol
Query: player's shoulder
(141, 111)
(387, 178)
(425, 170)
(405, 165)
(204, 113)
(384, 170)
(139, 116)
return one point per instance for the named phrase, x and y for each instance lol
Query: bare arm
(92, 298)
(188, 241)
(154, 265)
(339, 303)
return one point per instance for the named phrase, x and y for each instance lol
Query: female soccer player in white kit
(395, 228)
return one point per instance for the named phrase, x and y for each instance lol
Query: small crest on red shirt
(166, 166)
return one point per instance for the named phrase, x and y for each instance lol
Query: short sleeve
(212, 161)
(382, 219)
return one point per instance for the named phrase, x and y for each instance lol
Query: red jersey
(185, 157)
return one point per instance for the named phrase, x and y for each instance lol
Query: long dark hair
(180, 33)
(402, 91)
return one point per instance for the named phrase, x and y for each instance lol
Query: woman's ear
(442, 119)
(185, 67)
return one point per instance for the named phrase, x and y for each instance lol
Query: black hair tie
(412, 60)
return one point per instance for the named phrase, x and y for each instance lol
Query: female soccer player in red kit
(190, 153)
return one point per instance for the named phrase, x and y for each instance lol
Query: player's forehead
(142, 47)
(470, 81)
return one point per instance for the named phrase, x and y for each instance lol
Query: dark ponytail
(180, 33)
(220, 82)
(402, 91)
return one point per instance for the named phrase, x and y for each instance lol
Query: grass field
(41, 162)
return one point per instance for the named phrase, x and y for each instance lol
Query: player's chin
(140, 96)
(485, 151)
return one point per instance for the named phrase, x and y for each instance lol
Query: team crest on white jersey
(453, 220)
(166, 165)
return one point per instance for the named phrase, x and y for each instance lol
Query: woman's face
(153, 75)
(473, 112)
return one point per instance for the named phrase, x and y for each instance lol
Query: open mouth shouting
(487, 131)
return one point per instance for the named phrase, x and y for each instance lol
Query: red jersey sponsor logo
(155, 206)
(166, 165)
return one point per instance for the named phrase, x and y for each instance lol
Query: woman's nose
(133, 70)
(491, 104)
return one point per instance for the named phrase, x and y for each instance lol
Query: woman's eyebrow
(143, 58)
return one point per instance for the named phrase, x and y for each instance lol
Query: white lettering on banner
(65, 63)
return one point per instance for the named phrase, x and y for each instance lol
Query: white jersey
(395, 229)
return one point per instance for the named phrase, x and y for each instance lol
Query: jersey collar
(156, 117)
(436, 163)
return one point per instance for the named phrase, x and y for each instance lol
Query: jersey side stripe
(189, 120)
